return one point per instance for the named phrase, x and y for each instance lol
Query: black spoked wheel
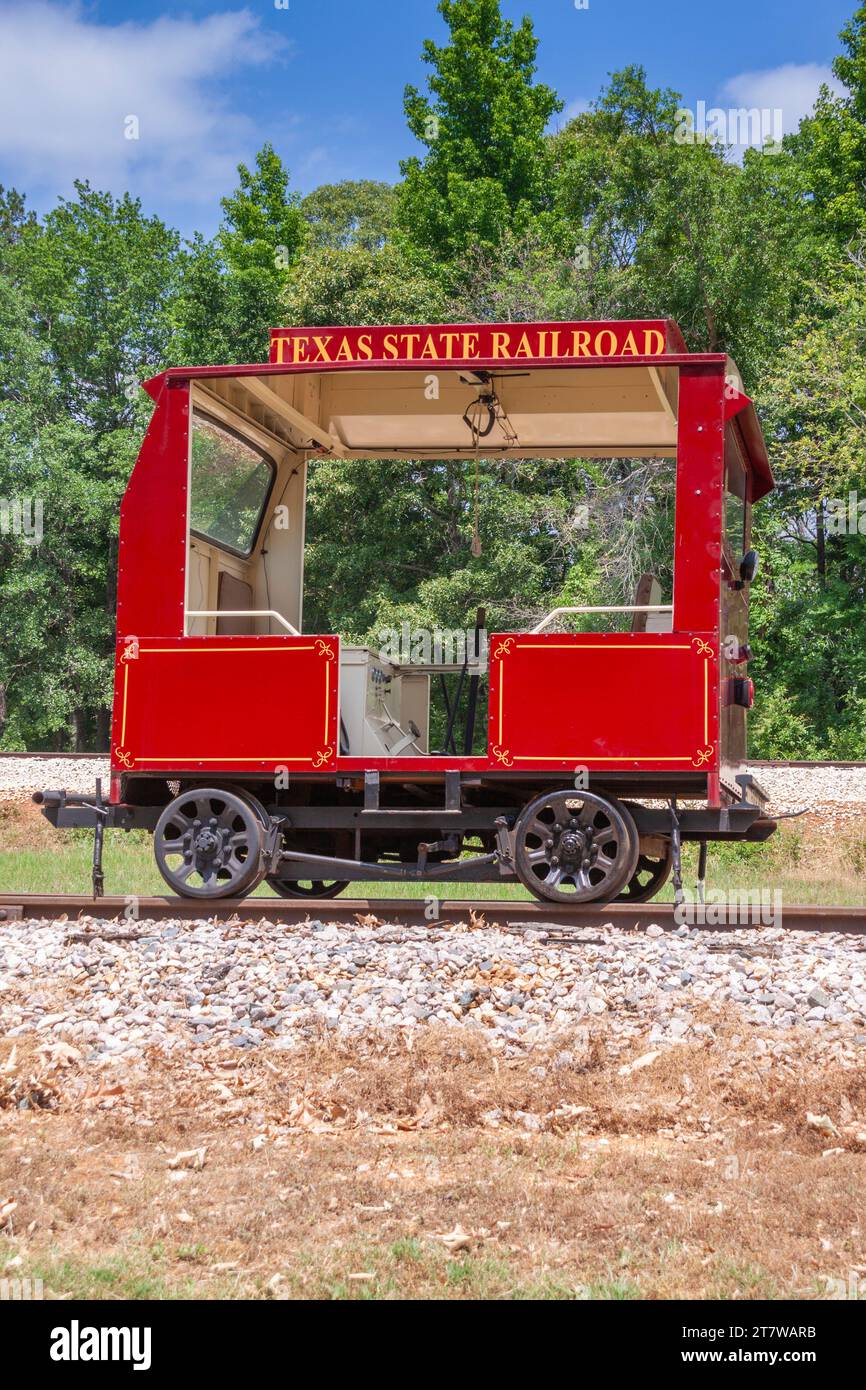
(307, 887)
(208, 844)
(575, 847)
(651, 874)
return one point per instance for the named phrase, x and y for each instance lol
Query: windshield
(230, 480)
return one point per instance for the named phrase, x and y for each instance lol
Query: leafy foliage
(488, 164)
(355, 213)
(830, 145)
(499, 216)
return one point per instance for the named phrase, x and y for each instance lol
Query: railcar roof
(560, 389)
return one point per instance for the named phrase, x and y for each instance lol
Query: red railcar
(252, 748)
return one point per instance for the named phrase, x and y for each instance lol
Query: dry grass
(375, 1171)
(23, 827)
(444, 1171)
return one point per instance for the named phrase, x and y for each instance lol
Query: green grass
(362, 1271)
(734, 1280)
(139, 1275)
(413, 1268)
(130, 869)
(62, 865)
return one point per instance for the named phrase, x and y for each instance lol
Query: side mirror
(749, 566)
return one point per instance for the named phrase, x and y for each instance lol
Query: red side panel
(152, 548)
(609, 701)
(700, 469)
(233, 704)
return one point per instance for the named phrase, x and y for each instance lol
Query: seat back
(234, 594)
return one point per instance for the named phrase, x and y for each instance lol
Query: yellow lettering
(390, 345)
(299, 349)
(554, 348)
(523, 349)
(580, 338)
(470, 344)
(344, 351)
(630, 347)
(409, 340)
(653, 342)
(322, 345)
(365, 346)
(501, 344)
(429, 349)
(280, 347)
(600, 351)
(449, 339)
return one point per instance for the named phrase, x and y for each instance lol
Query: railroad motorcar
(255, 749)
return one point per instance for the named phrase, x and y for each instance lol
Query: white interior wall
(277, 577)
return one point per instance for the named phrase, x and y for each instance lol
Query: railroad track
(513, 914)
(807, 763)
(57, 757)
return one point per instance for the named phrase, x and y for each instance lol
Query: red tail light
(741, 691)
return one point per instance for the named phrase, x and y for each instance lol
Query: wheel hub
(571, 846)
(207, 843)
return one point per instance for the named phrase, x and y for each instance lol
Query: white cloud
(68, 85)
(574, 108)
(560, 119)
(792, 89)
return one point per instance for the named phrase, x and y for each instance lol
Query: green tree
(98, 276)
(487, 164)
(86, 318)
(676, 229)
(263, 232)
(830, 145)
(15, 220)
(55, 630)
(354, 213)
(205, 312)
(807, 610)
(233, 287)
(359, 286)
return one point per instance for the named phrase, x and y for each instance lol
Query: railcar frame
(251, 748)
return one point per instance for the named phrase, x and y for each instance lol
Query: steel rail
(805, 763)
(527, 915)
(56, 757)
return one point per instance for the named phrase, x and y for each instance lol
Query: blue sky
(209, 82)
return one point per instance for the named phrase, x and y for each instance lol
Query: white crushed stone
(833, 796)
(21, 777)
(257, 984)
(837, 793)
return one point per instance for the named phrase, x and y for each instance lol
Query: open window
(737, 507)
(567, 545)
(231, 479)
(246, 521)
